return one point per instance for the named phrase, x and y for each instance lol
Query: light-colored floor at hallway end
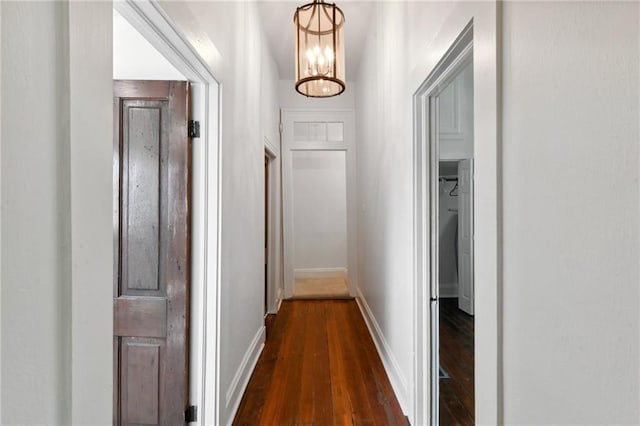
(321, 288)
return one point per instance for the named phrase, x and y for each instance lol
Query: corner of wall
(90, 91)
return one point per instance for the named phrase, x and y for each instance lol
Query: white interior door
(465, 236)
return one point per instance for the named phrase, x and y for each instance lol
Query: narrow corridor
(319, 367)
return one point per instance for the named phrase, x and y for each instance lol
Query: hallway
(319, 366)
(556, 104)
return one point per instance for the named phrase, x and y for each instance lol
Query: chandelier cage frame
(319, 53)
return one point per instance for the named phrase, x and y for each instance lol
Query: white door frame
(486, 353)
(274, 261)
(151, 21)
(348, 145)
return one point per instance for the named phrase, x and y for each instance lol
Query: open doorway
(455, 249)
(319, 210)
(148, 47)
(273, 231)
(435, 140)
(318, 159)
(454, 299)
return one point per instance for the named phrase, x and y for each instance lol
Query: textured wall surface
(57, 213)
(571, 209)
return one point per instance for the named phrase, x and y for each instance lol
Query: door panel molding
(151, 317)
(465, 237)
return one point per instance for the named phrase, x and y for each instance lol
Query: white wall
(385, 192)
(35, 236)
(271, 128)
(134, 58)
(91, 217)
(571, 249)
(242, 64)
(56, 219)
(406, 42)
(319, 210)
(571, 270)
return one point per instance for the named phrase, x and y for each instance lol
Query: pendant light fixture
(319, 52)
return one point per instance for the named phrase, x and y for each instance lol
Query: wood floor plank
(361, 410)
(272, 405)
(340, 396)
(385, 410)
(292, 360)
(323, 404)
(306, 410)
(253, 403)
(457, 405)
(326, 371)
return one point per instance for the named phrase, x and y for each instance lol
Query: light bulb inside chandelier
(319, 49)
(320, 63)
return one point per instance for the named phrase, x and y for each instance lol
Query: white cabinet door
(465, 236)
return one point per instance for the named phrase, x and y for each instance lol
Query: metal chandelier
(319, 52)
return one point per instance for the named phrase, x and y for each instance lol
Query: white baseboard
(320, 273)
(398, 380)
(243, 374)
(448, 290)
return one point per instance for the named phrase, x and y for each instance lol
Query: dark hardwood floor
(457, 406)
(319, 367)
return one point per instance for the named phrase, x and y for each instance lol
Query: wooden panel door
(152, 259)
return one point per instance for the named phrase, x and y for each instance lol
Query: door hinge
(191, 414)
(194, 129)
(280, 127)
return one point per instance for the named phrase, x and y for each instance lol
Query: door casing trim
(152, 22)
(468, 41)
(349, 147)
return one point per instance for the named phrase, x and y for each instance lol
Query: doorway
(433, 126)
(319, 215)
(454, 301)
(149, 26)
(319, 221)
(272, 256)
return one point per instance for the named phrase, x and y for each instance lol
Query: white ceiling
(277, 19)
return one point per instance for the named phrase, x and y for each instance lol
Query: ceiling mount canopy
(319, 55)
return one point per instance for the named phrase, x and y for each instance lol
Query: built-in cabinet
(455, 189)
